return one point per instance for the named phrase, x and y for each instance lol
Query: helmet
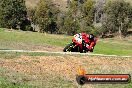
(91, 37)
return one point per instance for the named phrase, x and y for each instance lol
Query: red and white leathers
(81, 38)
(89, 43)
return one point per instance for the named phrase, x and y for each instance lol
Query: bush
(12, 12)
(85, 29)
(1, 29)
(26, 25)
(94, 31)
(28, 28)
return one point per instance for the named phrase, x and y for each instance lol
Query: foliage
(71, 26)
(60, 23)
(26, 25)
(99, 12)
(88, 12)
(87, 17)
(118, 16)
(46, 16)
(70, 23)
(79, 17)
(31, 14)
(12, 13)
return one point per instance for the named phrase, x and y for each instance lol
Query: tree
(87, 18)
(41, 15)
(118, 16)
(71, 22)
(46, 15)
(71, 25)
(80, 17)
(60, 22)
(99, 11)
(12, 13)
(31, 14)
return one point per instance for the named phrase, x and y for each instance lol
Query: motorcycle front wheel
(69, 48)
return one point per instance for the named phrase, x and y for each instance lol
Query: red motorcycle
(77, 45)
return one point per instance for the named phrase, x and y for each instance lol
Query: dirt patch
(67, 66)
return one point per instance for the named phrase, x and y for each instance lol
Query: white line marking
(70, 53)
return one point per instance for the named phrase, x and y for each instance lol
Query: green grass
(12, 55)
(114, 85)
(13, 79)
(113, 48)
(33, 38)
(8, 82)
(56, 82)
(15, 40)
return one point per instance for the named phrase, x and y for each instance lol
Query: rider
(89, 40)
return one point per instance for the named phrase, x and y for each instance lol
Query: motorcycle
(77, 45)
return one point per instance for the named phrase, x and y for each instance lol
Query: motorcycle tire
(83, 51)
(68, 48)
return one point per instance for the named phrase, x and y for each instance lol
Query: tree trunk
(120, 33)
(95, 15)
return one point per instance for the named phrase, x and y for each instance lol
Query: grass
(113, 49)
(51, 83)
(20, 40)
(34, 38)
(12, 55)
(113, 85)
(12, 79)
(7, 82)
